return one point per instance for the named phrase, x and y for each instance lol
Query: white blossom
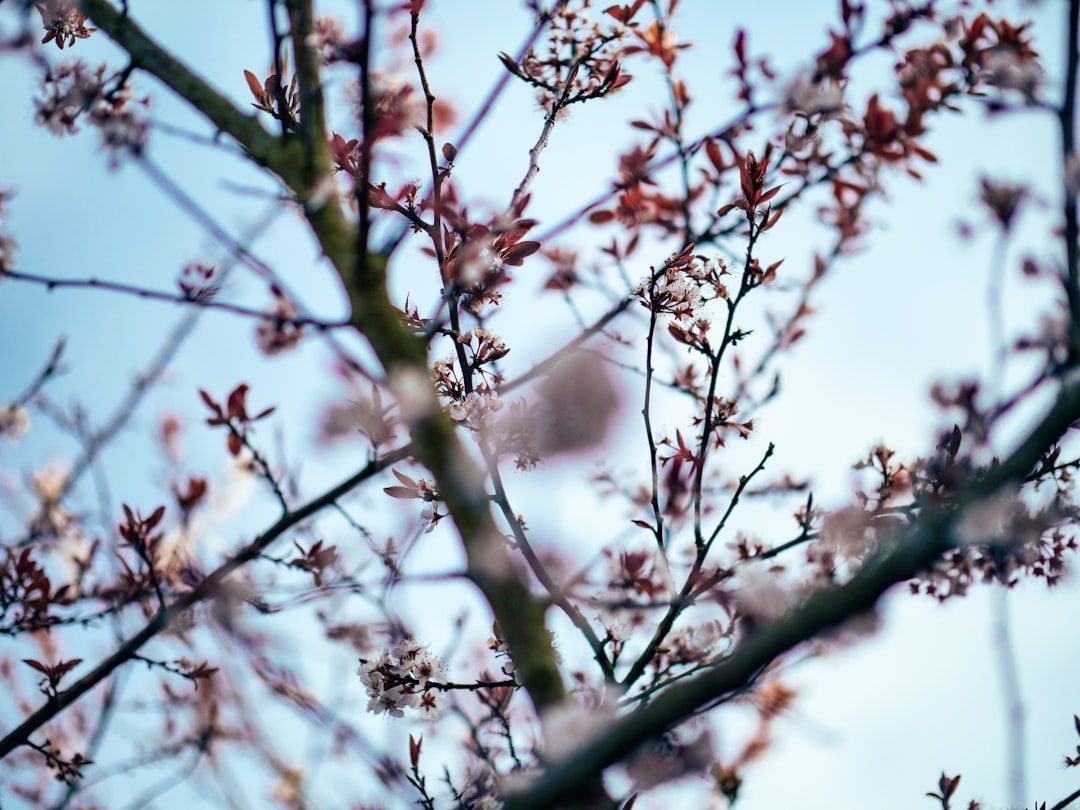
(14, 422)
(401, 679)
(804, 95)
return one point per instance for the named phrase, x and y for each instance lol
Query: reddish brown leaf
(154, 519)
(236, 406)
(264, 413)
(405, 493)
(768, 195)
(209, 400)
(515, 254)
(404, 479)
(510, 64)
(740, 46)
(40, 667)
(253, 84)
(771, 220)
(414, 751)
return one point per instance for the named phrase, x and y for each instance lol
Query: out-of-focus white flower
(804, 95)
(7, 244)
(14, 422)
(279, 332)
(992, 520)
(697, 641)
(1007, 70)
(414, 393)
(49, 483)
(576, 407)
(236, 490)
(659, 762)
(7, 253)
(568, 726)
(762, 595)
(849, 531)
(480, 791)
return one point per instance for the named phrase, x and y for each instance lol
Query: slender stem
(558, 597)
(676, 134)
(484, 110)
(1067, 117)
(368, 121)
(687, 593)
(557, 104)
(279, 86)
(173, 298)
(429, 138)
(1010, 685)
(51, 369)
(717, 359)
(646, 413)
(744, 482)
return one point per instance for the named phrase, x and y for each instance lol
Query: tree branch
(912, 551)
(148, 55)
(204, 590)
(436, 443)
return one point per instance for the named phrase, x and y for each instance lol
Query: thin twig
(51, 283)
(537, 567)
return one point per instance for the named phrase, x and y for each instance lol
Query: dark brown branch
(1072, 797)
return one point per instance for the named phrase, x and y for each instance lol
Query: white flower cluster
(407, 677)
(675, 293)
(71, 89)
(477, 410)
